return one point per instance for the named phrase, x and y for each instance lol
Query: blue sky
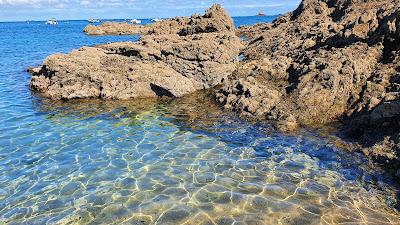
(16, 10)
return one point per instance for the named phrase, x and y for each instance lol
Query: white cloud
(189, 4)
(18, 2)
(48, 4)
(78, 9)
(84, 3)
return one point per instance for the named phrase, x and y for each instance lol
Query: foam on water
(180, 161)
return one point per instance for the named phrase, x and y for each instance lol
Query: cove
(163, 161)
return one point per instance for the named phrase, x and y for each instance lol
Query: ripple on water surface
(162, 162)
(174, 162)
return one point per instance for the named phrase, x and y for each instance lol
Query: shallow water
(163, 161)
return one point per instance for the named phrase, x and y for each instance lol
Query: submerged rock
(157, 65)
(214, 20)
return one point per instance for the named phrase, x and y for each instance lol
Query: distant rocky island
(327, 61)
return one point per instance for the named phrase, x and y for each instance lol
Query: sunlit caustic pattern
(176, 162)
(167, 161)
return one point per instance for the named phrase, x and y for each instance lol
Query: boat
(136, 21)
(94, 21)
(52, 21)
(156, 20)
(261, 13)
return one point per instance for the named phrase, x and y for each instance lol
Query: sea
(164, 161)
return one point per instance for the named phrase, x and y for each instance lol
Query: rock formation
(214, 20)
(157, 65)
(328, 60)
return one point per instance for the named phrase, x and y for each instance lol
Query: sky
(20, 10)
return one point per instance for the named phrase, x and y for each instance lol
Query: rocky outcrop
(328, 60)
(214, 20)
(177, 57)
(116, 28)
(168, 65)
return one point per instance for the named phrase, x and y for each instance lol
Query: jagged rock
(167, 65)
(248, 97)
(214, 20)
(288, 124)
(328, 60)
(325, 56)
(33, 70)
(116, 28)
(178, 57)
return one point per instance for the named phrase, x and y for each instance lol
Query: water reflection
(178, 161)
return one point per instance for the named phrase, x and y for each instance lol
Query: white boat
(52, 21)
(261, 13)
(156, 20)
(136, 21)
(94, 21)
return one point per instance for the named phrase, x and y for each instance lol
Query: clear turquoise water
(179, 161)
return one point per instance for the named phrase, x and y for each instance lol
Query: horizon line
(16, 21)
